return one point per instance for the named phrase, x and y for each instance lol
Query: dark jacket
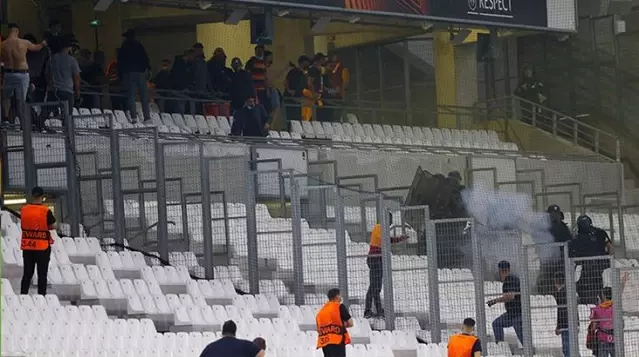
(250, 122)
(181, 74)
(220, 76)
(133, 57)
(241, 88)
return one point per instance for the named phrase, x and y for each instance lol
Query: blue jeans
(507, 320)
(133, 81)
(565, 343)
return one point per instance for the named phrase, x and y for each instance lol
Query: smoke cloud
(503, 222)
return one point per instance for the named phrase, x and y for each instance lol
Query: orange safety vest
(461, 345)
(330, 327)
(35, 230)
(338, 79)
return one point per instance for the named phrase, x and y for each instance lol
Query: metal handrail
(147, 229)
(512, 103)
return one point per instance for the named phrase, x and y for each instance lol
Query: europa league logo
(472, 5)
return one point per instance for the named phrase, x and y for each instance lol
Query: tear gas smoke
(503, 222)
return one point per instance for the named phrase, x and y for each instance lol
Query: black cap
(504, 264)
(229, 328)
(37, 192)
(13, 25)
(198, 45)
(455, 174)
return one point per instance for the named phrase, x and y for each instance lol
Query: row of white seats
(13, 312)
(426, 142)
(328, 129)
(166, 122)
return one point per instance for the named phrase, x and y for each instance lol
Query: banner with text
(537, 14)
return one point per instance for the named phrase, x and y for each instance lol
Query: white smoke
(503, 222)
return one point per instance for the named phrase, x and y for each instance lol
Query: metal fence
(266, 229)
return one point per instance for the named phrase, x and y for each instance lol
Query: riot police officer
(590, 241)
(555, 261)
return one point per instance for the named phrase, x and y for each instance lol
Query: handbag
(591, 337)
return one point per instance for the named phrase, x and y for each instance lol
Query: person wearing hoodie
(220, 74)
(241, 85)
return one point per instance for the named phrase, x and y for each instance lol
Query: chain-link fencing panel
(502, 265)
(456, 269)
(93, 156)
(273, 231)
(407, 227)
(629, 275)
(184, 204)
(135, 206)
(548, 301)
(325, 244)
(359, 221)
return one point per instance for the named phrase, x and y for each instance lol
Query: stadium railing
(559, 125)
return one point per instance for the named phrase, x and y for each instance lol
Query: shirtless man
(16, 70)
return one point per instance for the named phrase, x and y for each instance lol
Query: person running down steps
(376, 273)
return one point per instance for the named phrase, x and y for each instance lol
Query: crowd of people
(58, 69)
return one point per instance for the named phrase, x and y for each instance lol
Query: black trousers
(375, 284)
(590, 284)
(33, 259)
(334, 351)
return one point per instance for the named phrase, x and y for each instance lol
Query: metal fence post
(526, 317)
(30, 172)
(572, 301)
(73, 197)
(298, 253)
(433, 281)
(618, 323)
(387, 256)
(478, 273)
(251, 233)
(162, 228)
(207, 230)
(116, 183)
(340, 236)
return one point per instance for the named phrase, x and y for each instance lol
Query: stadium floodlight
(102, 5)
(205, 4)
(354, 19)
(321, 24)
(124, 1)
(282, 13)
(236, 16)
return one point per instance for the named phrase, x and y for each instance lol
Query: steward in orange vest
(465, 344)
(340, 76)
(332, 321)
(36, 222)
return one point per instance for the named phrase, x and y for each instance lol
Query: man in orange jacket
(465, 344)
(332, 321)
(376, 272)
(36, 222)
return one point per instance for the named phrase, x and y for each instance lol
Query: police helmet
(584, 223)
(555, 209)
